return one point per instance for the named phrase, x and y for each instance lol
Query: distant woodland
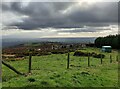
(111, 40)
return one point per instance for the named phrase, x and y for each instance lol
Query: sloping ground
(51, 71)
(0, 85)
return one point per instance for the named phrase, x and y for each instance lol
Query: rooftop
(107, 46)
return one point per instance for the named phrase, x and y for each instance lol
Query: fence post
(110, 58)
(30, 57)
(88, 59)
(68, 60)
(12, 68)
(101, 59)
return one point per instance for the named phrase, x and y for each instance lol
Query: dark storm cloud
(44, 15)
(100, 12)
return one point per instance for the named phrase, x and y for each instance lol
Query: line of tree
(111, 40)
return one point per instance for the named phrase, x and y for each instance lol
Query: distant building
(106, 48)
(55, 47)
(39, 49)
(83, 45)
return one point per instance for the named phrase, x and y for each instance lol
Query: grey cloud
(100, 12)
(43, 15)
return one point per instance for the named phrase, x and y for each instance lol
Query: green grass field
(51, 71)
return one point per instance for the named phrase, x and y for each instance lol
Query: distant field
(51, 71)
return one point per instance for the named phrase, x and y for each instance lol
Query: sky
(28, 19)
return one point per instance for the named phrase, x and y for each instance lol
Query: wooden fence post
(12, 68)
(110, 58)
(68, 60)
(30, 57)
(88, 59)
(101, 59)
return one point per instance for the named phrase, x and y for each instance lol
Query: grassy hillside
(51, 71)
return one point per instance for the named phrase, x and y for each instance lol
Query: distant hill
(8, 42)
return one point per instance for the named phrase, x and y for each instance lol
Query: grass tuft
(31, 79)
